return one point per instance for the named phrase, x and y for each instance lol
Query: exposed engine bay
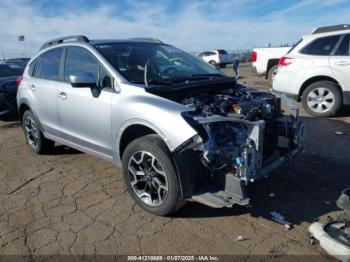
(242, 135)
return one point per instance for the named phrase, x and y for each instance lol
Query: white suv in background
(217, 58)
(316, 71)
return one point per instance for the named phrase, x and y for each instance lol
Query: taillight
(284, 61)
(18, 81)
(254, 56)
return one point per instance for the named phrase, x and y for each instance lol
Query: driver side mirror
(82, 80)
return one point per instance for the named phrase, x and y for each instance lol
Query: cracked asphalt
(72, 203)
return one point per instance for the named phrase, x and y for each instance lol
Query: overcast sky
(190, 25)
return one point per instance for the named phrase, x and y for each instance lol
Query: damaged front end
(242, 136)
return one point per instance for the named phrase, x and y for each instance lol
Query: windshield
(165, 64)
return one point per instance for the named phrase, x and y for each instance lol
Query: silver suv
(179, 128)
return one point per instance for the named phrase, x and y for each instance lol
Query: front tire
(150, 176)
(34, 137)
(322, 99)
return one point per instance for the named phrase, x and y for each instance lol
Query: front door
(85, 118)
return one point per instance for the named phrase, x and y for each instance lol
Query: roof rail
(79, 38)
(331, 28)
(147, 39)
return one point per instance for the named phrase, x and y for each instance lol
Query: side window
(343, 49)
(321, 46)
(50, 64)
(78, 61)
(105, 80)
(31, 69)
(37, 68)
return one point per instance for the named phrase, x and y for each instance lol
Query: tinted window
(79, 61)
(37, 68)
(343, 48)
(50, 64)
(222, 52)
(32, 68)
(321, 46)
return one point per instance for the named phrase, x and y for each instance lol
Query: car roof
(116, 41)
(78, 39)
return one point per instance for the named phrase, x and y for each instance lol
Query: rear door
(340, 62)
(44, 87)
(85, 120)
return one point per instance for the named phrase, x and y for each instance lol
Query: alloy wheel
(31, 131)
(320, 100)
(148, 178)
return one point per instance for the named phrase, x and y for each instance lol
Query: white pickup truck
(265, 60)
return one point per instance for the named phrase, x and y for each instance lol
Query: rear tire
(150, 176)
(271, 73)
(322, 99)
(35, 139)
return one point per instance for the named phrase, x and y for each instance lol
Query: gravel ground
(72, 203)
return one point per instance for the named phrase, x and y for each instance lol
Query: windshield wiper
(205, 76)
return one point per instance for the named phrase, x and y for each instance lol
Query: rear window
(222, 52)
(322, 46)
(343, 49)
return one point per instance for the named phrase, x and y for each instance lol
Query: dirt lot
(72, 203)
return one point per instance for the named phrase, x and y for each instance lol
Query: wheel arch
(316, 79)
(21, 109)
(24, 106)
(271, 63)
(131, 133)
(137, 130)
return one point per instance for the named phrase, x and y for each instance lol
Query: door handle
(342, 63)
(62, 95)
(33, 87)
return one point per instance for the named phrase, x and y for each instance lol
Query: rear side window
(343, 49)
(78, 61)
(31, 69)
(50, 64)
(322, 46)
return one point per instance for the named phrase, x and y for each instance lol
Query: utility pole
(21, 38)
(3, 54)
